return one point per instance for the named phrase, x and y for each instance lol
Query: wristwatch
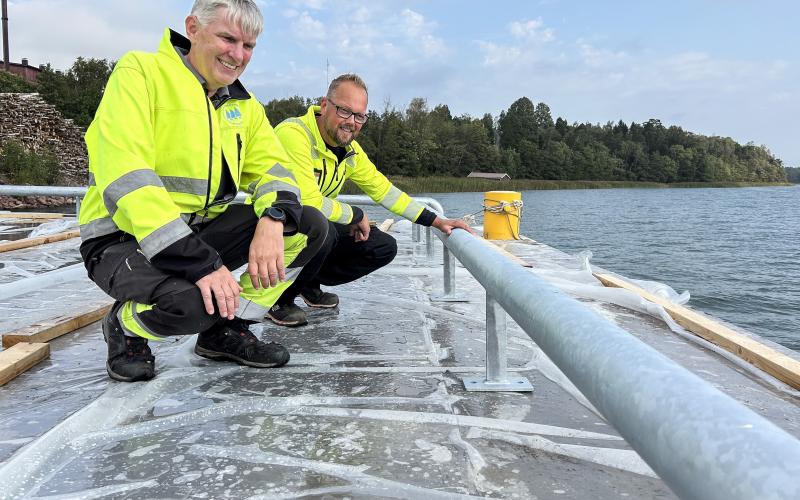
(276, 213)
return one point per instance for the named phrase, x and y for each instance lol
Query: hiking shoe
(233, 341)
(287, 315)
(314, 297)
(129, 358)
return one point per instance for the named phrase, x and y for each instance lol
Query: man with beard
(324, 153)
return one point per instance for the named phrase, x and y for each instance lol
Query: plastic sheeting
(371, 405)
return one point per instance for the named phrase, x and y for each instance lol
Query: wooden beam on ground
(30, 215)
(45, 331)
(386, 225)
(20, 358)
(40, 240)
(508, 254)
(777, 364)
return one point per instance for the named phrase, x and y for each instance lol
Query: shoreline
(413, 185)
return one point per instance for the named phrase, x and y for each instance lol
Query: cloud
(89, 29)
(309, 4)
(531, 31)
(307, 28)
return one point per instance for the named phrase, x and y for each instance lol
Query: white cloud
(310, 4)
(57, 31)
(419, 32)
(531, 31)
(307, 28)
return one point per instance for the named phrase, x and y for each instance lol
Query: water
(734, 250)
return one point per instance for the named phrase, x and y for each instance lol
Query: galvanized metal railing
(701, 442)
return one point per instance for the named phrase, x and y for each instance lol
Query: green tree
(77, 92)
(517, 124)
(13, 84)
(280, 109)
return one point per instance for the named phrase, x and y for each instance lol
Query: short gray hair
(243, 13)
(347, 77)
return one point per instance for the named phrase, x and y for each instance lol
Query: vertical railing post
(416, 233)
(429, 242)
(496, 341)
(78, 206)
(449, 265)
(496, 378)
(448, 278)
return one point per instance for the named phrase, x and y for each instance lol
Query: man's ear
(192, 25)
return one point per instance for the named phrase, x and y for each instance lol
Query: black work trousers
(341, 260)
(124, 273)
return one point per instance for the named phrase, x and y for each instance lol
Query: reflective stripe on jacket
(321, 177)
(156, 149)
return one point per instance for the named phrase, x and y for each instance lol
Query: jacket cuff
(358, 215)
(189, 257)
(426, 218)
(290, 205)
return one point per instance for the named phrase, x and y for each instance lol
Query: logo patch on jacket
(233, 114)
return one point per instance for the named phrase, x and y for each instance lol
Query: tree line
(524, 140)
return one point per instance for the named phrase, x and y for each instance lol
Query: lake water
(734, 250)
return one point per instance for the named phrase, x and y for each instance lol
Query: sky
(729, 68)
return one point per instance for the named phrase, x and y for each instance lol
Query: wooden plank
(49, 329)
(20, 358)
(41, 240)
(30, 215)
(777, 364)
(510, 255)
(386, 225)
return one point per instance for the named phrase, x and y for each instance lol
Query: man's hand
(265, 261)
(360, 230)
(222, 287)
(447, 225)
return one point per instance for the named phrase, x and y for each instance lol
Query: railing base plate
(440, 297)
(511, 384)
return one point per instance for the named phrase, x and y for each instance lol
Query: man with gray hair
(174, 139)
(324, 153)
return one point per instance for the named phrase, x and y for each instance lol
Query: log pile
(38, 125)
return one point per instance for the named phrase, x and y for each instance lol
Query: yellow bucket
(501, 223)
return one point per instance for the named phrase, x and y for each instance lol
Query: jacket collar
(174, 45)
(310, 119)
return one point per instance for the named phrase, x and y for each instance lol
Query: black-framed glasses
(345, 113)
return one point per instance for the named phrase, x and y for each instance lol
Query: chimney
(24, 61)
(5, 34)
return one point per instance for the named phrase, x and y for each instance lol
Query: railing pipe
(66, 191)
(701, 442)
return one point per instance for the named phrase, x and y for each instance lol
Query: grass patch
(20, 166)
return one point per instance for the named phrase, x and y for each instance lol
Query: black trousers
(123, 272)
(341, 260)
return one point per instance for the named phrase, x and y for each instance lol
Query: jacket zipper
(210, 151)
(238, 156)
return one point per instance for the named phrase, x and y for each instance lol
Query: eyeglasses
(345, 113)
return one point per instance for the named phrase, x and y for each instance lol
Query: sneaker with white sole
(314, 297)
(233, 341)
(287, 315)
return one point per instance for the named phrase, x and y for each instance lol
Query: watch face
(276, 214)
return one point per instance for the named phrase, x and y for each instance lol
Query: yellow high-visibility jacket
(156, 149)
(320, 176)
